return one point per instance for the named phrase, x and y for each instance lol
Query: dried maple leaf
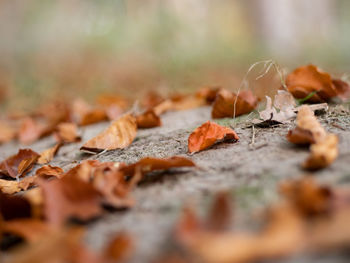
(150, 164)
(207, 135)
(47, 155)
(48, 171)
(67, 132)
(69, 197)
(228, 104)
(322, 153)
(308, 129)
(118, 135)
(305, 80)
(148, 119)
(19, 164)
(12, 187)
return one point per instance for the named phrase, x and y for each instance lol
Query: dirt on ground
(250, 171)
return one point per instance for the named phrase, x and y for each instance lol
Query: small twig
(338, 126)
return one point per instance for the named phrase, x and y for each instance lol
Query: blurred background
(80, 48)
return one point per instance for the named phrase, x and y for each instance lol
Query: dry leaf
(47, 155)
(148, 119)
(208, 93)
(322, 153)
(118, 135)
(220, 216)
(343, 89)
(308, 129)
(84, 114)
(19, 164)
(67, 132)
(207, 135)
(48, 171)
(307, 79)
(228, 104)
(14, 206)
(29, 131)
(149, 164)
(151, 100)
(12, 187)
(7, 132)
(69, 197)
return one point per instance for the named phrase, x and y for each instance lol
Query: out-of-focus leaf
(47, 155)
(67, 132)
(148, 119)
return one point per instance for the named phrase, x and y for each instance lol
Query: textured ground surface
(250, 172)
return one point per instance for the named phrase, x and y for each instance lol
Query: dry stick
(268, 65)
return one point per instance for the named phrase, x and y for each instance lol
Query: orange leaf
(12, 187)
(19, 164)
(224, 104)
(48, 171)
(207, 135)
(67, 132)
(148, 119)
(47, 155)
(307, 79)
(118, 135)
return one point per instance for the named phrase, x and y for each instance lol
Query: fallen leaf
(208, 93)
(14, 207)
(7, 132)
(49, 171)
(151, 100)
(84, 114)
(119, 248)
(220, 216)
(343, 89)
(163, 107)
(29, 131)
(47, 155)
(12, 187)
(305, 80)
(118, 135)
(322, 153)
(29, 229)
(19, 164)
(148, 119)
(228, 104)
(67, 132)
(108, 100)
(207, 135)
(149, 164)
(69, 197)
(308, 129)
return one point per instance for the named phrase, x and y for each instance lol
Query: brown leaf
(19, 164)
(208, 93)
(148, 119)
(220, 215)
(119, 248)
(322, 153)
(48, 171)
(69, 197)
(84, 114)
(151, 100)
(224, 104)
(67, 132)
(7, 132)
(47, 155)
(207, 135)
(163, 107)
(30, 229)
(30, 131)
(118, 135)
(111, 99)
(149, 164)
(307, 79)
(13, 207)
(12, 187)
(343, 89)
(308, 129)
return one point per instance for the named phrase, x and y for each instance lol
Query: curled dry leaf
(47, 155)
(207, 135)
(19, 164)
(149, 164)
(305, 80)
(48, 171)
(67, 132)
(308, 129)
(69, 197)
(148, 119)
(322, 153)
(84, 114)
(224, 104)
(12, 187)
(118, 135)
